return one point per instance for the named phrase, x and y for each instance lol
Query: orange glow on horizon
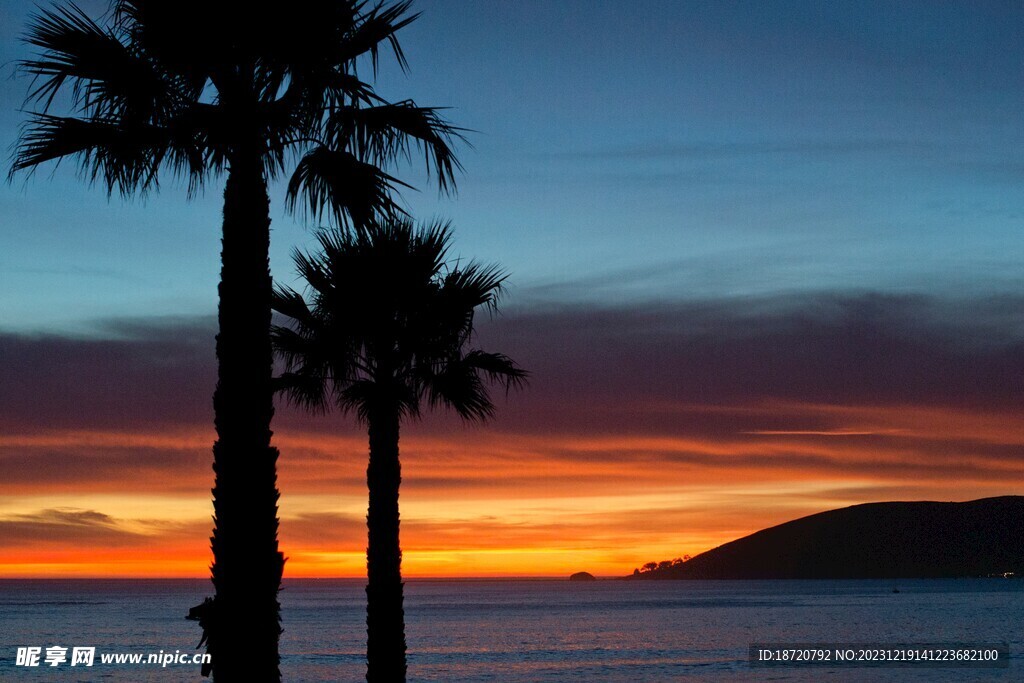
(487, 503)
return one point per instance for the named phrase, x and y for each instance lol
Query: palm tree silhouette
(385, 332)
(197, 89)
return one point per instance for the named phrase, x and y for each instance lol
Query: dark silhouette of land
(872, 541)
(582, 576)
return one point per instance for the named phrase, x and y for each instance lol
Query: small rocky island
(582, 576)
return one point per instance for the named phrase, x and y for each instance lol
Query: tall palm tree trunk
(385, 618)
(244, 625)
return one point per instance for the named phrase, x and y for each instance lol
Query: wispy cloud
(63, 527)
(723, 150)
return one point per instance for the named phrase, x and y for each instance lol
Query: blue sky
(766, 259)
(650, 151)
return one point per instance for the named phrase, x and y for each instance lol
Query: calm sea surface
(526, 631)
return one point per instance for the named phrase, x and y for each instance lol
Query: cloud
(87, 461)
(78, 272)
(585, 359)
(829, 385)
(325, 530)
(827, 348)
(64, 526)
(70, 527)
(156, 375)
(710, 151)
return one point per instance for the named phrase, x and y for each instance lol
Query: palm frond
(373, 27)
(304, 391)
(385, 132)
(350, 189)
(457, 385)
(433, 241)
(497, 368)
(475, 285)
(107, 77)
(319, 351)
(74, 48)
(290, 303)
(347, 89)
(121, 156)
(358, 397)
(130, 118)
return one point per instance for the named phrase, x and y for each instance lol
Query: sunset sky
(766, 260)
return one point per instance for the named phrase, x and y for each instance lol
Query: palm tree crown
(388, 323)
(187, 85)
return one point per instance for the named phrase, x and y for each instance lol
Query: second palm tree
(387, 330)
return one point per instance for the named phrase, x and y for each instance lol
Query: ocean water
(531, 631)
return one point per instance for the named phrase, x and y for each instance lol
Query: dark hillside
(874, 540)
